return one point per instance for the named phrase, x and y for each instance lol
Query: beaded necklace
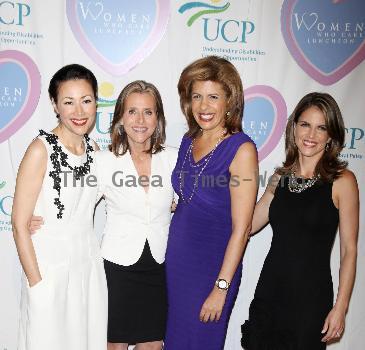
(59, 158)
(202, 163)
(298, 187)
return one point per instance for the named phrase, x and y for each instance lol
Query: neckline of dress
(205, 156)
(66, 150)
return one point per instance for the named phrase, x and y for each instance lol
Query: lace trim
(58, 160)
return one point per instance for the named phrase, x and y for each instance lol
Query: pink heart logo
(20, 88)
(118, 34)
(264, 118)
(326, 37)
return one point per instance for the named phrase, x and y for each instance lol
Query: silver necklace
(203, 164)
(298, 187)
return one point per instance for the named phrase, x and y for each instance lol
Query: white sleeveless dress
(67, 309)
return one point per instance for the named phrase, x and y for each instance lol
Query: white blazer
(132, 214)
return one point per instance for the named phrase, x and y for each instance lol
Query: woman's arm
(261, 213)
(28, 185)
(244, 167)
(346, 198)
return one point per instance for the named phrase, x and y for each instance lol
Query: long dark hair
(329, 167)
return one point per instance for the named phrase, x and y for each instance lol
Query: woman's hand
(173, 206)
(33, 283)
(346, 199)
(213, 305)
(334, 324)
(35, 223)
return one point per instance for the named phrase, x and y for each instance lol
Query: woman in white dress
(64, 292)
(134, 175)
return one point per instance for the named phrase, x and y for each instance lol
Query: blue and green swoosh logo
(103, 102)
(2, 184)
(205, 9)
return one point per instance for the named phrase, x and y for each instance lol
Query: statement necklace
(298, 187)
(202, 163)
(59, 158)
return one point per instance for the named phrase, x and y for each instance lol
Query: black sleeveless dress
(294, 293)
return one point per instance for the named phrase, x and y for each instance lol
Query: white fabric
(67, 309)
(132, 214)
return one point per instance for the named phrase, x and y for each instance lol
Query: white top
(56, 313)
(76, 198)
(132, 214)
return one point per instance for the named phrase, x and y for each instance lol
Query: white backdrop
(282, 49)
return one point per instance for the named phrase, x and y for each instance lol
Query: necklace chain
(298, 187)
(202, 163)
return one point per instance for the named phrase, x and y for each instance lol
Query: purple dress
(199, 234)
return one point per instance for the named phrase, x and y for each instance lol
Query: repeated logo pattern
(20, 86)
(118, 34)
(326, 38)
(264, 118)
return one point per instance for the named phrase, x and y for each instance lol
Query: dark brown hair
(71, 72)
(329, 166)
(119, 144)
(219, 70)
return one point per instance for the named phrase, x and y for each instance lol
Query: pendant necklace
(203, 163)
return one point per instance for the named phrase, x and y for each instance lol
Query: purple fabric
(199, 234)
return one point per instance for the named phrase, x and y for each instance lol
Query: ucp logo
(231, 30)
(238, 30)
(13, 12)
(353, 136)
(6, 202)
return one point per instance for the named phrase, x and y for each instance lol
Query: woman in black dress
(307, 199)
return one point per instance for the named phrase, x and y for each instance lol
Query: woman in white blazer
(134, 177)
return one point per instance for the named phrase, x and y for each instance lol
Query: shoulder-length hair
(329, 166)
(219, 70)
(119, 138)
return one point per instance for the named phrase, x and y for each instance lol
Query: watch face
(222, 284)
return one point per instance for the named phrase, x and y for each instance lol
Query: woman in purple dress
(215, 180)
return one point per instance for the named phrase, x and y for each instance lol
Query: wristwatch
(222, 284)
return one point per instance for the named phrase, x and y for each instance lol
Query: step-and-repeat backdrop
(282, 49)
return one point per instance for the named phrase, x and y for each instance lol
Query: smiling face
(209, 104)
(76, 106)
(139, 119)
(310, 133)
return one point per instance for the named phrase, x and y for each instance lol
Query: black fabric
(294, 293)
(137, 305)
